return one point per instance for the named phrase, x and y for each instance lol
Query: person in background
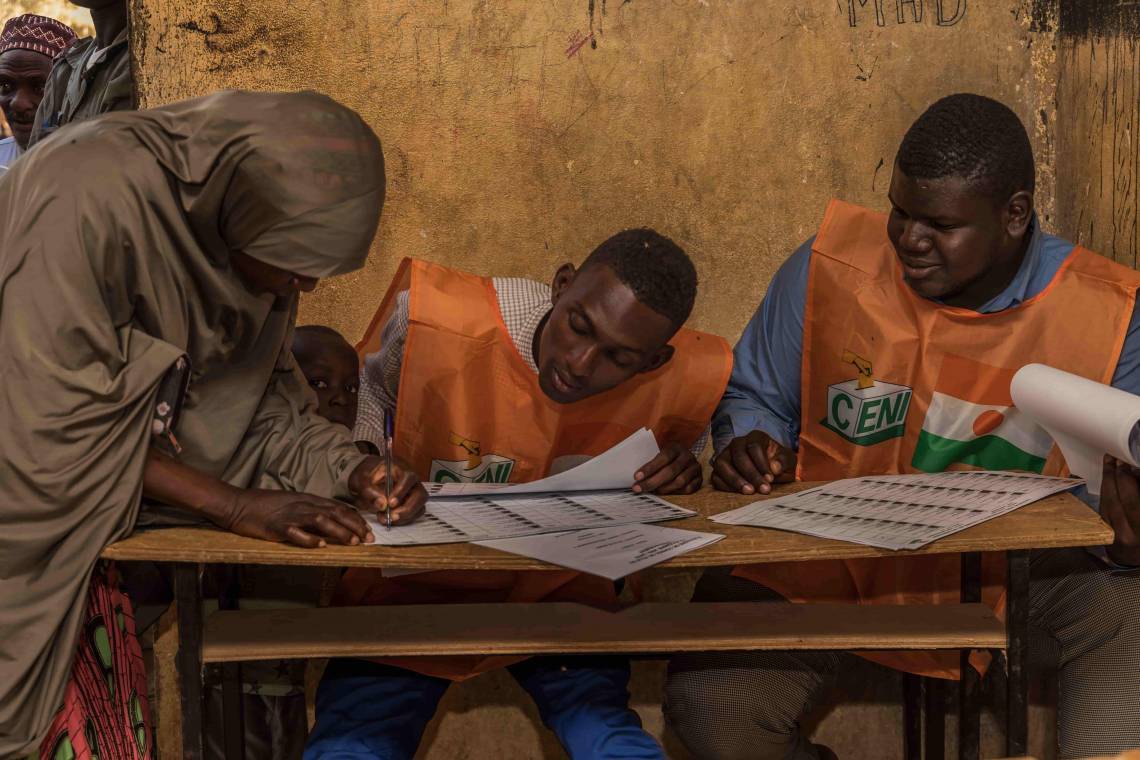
(946, 297)
(510, 380)
(28, 45)
(93, 77)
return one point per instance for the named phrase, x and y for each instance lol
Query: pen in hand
(387, 470)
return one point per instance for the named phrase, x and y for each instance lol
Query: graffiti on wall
(888, 12)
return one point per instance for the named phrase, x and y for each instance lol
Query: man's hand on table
(675, 470)
(295, 518)
(751, 463)
(409, 498)
(1120, 508)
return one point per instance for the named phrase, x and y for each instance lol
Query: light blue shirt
(9, 152)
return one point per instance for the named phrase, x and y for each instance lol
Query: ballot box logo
(972, 421)
(476, 468)
(866, 416)
(866, 411)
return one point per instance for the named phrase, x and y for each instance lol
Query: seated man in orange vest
(939, 302)
(512, 380)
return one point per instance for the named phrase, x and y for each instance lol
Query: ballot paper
(612, 552)
(613, 469)
(899, 511)
(1087, 419)
(488, 516)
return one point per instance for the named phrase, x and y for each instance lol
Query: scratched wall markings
(942, 12)
(576, 42)
(596, 10)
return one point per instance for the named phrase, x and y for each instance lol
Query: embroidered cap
(39, 34)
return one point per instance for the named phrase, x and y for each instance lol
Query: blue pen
(388, 434)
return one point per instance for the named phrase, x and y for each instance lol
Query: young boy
(332, 368)
(273, 692)
(509, 380)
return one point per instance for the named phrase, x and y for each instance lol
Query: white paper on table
(611, 470)
(612, 552)
(898, 511)
(1087, 419)
(460, 519)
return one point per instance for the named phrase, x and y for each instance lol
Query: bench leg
(935, 718)
(969, 691)
(912, 716)
(188, 597)
(233, 716)
(1017, 626)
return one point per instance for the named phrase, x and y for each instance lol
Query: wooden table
(230, 636)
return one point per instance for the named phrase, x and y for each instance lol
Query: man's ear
(1018, 213)
(659, 359)
(562, 279)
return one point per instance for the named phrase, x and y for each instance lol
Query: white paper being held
(1087, 419)
(611, 470)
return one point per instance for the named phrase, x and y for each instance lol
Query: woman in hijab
(149, 269)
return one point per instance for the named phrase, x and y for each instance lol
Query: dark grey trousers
(1084, 620)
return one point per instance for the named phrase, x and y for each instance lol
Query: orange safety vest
(940, 399)
(470, 408)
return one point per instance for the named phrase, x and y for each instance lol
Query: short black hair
(320, 331)
(972, 137)
(656, 269)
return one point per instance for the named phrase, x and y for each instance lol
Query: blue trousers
(368, 710)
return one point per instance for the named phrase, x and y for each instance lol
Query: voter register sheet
(898, 511)
(586, 518)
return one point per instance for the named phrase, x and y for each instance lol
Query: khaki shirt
(85, 82)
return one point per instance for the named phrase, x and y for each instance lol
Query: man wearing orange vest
(886, 345)
(510, 380)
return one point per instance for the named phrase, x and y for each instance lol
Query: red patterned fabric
(105, 714)
(39, 34)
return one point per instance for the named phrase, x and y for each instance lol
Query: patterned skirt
(105, 714)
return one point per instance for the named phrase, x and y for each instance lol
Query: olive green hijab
(115, 242)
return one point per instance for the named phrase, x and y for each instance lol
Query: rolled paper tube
(1085, 418)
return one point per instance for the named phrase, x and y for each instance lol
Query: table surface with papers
(1057, 521)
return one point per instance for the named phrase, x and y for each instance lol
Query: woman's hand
(298, 518)
(408, 500)
(295, 518)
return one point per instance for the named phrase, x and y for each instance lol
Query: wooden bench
(230, 636)
(563, 628)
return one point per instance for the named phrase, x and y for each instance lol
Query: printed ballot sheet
(612, 469)
(612, 552)
(898, 511)
(485, 517)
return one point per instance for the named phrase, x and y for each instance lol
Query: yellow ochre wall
(520, 133)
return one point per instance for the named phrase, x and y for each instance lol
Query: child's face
(332, 369)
